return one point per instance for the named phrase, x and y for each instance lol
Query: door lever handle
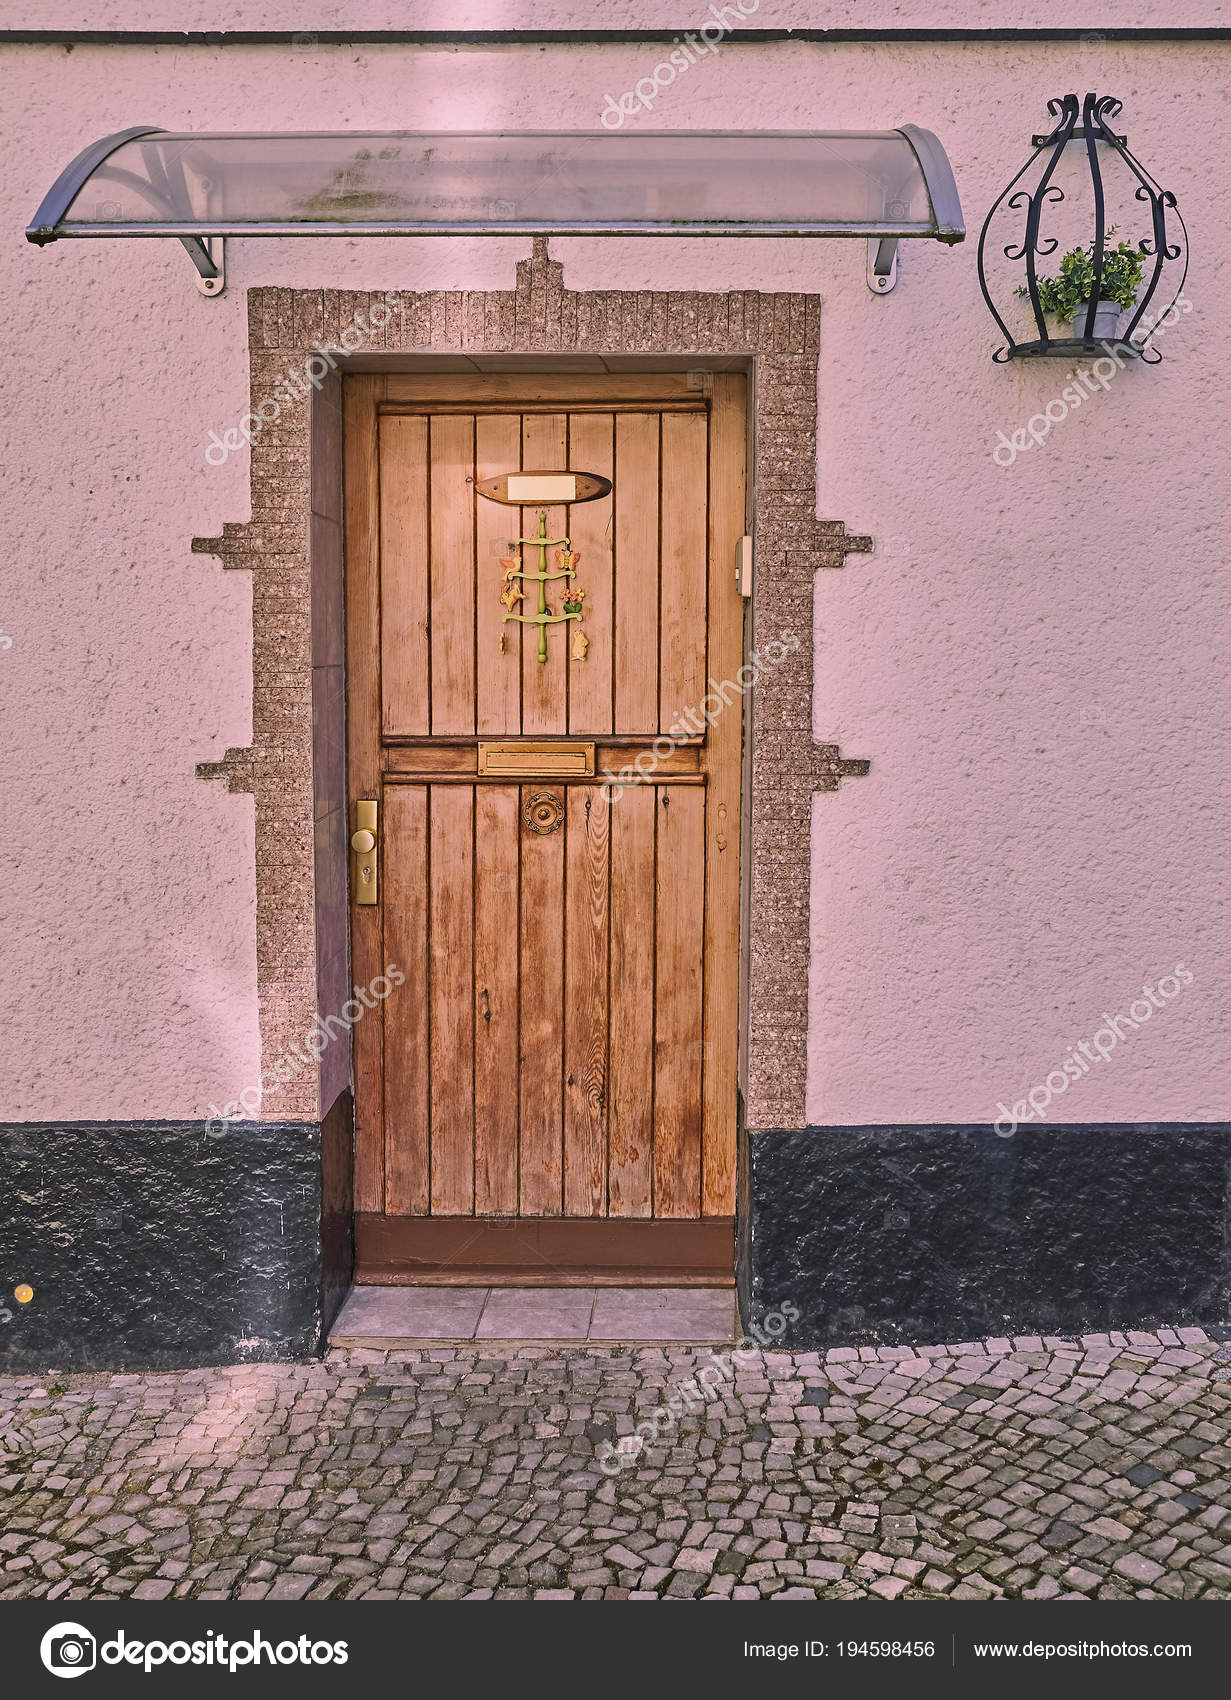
(364, 847)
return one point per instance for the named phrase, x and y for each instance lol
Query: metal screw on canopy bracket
(882, 264)
(882, 272)
(214, 250)
(1157, 250)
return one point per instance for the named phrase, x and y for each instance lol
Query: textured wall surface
(616, 14)
(892, 1235)
(158, 1244)
(1027, 658)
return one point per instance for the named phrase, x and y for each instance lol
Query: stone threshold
(382, 1316)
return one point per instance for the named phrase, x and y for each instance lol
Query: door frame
(289, 542)
(555, 1249)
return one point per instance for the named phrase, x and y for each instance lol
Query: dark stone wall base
(918, 1235)
(167, 1245)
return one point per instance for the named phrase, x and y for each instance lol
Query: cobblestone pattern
(1098, 1468)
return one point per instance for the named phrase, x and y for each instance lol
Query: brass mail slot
(524, 758)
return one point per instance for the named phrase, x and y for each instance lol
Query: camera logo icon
(68, 1649)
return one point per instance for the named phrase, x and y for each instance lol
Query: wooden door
(550, 1092)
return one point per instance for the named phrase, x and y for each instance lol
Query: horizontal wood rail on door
(492, 391)
(410, 761)
(543, 1251)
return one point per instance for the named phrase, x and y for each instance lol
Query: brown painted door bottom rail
(543, 1251)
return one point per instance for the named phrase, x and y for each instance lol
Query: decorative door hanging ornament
(515, 572)
(513, 489)
(1102, 275)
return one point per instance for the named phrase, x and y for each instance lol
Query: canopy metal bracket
(882, 263)
(209, 255)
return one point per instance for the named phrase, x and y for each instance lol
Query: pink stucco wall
(1030, 657)
(455, 15)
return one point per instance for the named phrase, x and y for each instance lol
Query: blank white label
(542, 486)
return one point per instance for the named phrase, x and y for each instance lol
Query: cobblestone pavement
(1098, 1468)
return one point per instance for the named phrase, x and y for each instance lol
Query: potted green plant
(1066, 296)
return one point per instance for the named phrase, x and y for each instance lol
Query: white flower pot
(1106, 320)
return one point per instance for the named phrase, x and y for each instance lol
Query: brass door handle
(363, 844)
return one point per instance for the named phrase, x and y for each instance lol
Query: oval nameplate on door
(524, 489)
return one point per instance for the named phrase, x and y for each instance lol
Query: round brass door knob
(543, 812)
(363, 841)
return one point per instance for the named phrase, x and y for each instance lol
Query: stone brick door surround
(293, 548)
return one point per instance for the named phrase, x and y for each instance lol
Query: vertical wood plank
(497, 449)
(404, 661)
(451, 1016)
(636, 572)
(452, 573)
(404, 900)
(496, 1000)
(542, 1013)
(684, 553)
(590, 527)
(632, 1003)
(361, 472)
(544, 683)
(585, 1001)
(679, 933)
(728, 432)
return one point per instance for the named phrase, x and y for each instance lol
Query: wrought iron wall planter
(1162, 250)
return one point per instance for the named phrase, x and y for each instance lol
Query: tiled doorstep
(388, 1316)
